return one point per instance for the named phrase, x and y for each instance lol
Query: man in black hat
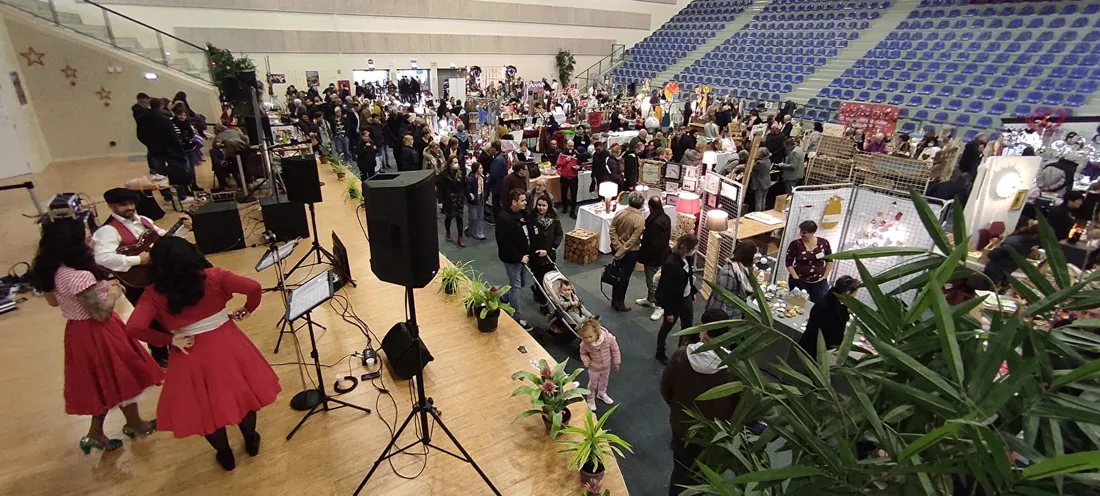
(125, 228)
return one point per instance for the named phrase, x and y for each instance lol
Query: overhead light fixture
(150, 75)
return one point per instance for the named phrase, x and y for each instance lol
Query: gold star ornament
(103, 94)
(69, 72)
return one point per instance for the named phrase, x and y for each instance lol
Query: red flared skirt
(216, 383)
(104, 366)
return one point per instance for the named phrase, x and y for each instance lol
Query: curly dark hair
(177, 269)
(62, 243)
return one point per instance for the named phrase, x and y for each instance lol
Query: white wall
(26, 121)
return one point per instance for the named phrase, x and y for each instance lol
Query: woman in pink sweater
(599, 352)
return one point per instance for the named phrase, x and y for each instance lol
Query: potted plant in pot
(355, 188)
(339, 167)
(326, 154)
(591, 446)
(551, 392)
(484, 299)
(451, 277)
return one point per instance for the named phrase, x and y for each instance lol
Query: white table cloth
(593, 218)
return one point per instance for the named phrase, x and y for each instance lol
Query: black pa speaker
(217, 227)
(401, 219)
(404, 359)
(300, 176)
(287, 219)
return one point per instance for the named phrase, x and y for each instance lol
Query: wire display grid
(827, 205)
(893, 173)
(833, 162)
(880, 217)
(729, 203)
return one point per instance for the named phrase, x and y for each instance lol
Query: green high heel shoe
(87, 443)
(133, 433)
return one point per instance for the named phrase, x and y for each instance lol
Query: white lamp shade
(717, 220)
(608, 189)
(710, 157)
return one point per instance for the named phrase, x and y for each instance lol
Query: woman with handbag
(546, 234)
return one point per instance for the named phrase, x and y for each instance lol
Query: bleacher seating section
(682, 34)
(969, 65)
(963, 62)
(781, 47)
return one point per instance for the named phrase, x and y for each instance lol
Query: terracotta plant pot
(590, 477)
(323, 159)
(489, 323)
(341, 175)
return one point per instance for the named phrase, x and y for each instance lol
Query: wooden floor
(469, 381)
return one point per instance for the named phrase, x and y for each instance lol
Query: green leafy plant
(355, 188)
(453, 276)
(224, 64)
(932, 402)
(594, 490)
(551, 391)
(593, 444)
(487, 297)
(565, 62)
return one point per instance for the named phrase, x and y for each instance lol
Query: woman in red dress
(104, 367)
(216, 376)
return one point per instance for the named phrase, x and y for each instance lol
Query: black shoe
(660, 356)
(253, 445)
(226, 460)
(573, 215)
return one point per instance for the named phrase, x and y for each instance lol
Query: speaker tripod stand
(421, 410)
(323, 256)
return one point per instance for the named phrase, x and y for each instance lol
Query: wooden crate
(581, 247)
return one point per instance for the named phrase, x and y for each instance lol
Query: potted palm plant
(551, 392)
(355, 191)
(326, 154)
(339, 167)
(591, 446)
(920, 397)
(452, 277)
(485, 301)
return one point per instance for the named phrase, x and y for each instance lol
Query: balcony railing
(595, 73)
(121, 31)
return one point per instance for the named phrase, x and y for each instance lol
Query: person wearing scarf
(735, 277)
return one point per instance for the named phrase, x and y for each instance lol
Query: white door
(14, 161)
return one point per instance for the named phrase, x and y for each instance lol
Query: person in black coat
(545, 232)
(829, 317)
(957, 187)
(686, 142)
(632, 165)
(513, 246)
(409, 160)
(366, 156)
(599, 165)
(654, 250)
(972, 155)
(776, 143)
(676, 291)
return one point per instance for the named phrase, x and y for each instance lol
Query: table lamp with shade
(710, 158)
(717, 220)
(607, 191)
(687, 208)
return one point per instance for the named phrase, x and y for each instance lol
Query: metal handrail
(616, 49)
(55, 17)
(131, 19)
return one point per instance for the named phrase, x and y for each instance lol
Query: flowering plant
(551, 390)
(487, 297)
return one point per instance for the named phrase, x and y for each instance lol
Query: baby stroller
(545, 292)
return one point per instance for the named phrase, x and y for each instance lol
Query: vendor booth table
(594, 218)
(553, 184)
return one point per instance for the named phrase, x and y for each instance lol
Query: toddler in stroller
(559, 301)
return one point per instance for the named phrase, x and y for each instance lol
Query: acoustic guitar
(138, 275)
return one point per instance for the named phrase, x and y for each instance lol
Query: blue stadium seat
(975, 107)
(921, 115)
(908, 128)
(1054, 99)
(933, 103)
(927, 89)
(1010, 96)
(863, 96)
(954, 105)
(1021, 110)
(962, 120)
(1022, 83)
(879, 98)
(986, 94)
(1075, 100)
(1033, 97)
(915, 101)
(940, 118)
(897, 99)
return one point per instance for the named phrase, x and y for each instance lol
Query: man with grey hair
(626, 241)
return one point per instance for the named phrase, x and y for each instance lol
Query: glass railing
(121, 31)
(595, 73)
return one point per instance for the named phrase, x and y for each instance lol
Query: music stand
(274, 256)
(301, 303)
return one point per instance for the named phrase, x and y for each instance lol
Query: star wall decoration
(33, 57)
(103, 94)
(69, 72)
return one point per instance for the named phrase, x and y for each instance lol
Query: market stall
(595, 218)
(1000, 191)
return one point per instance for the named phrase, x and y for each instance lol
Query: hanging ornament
(33, 57)
(103, 94)
(833, 212)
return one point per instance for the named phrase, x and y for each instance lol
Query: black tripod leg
(385, 455)
(462, 450)
(349, 405)
(304, 419)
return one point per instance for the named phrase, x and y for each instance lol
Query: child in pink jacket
(599, 352)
